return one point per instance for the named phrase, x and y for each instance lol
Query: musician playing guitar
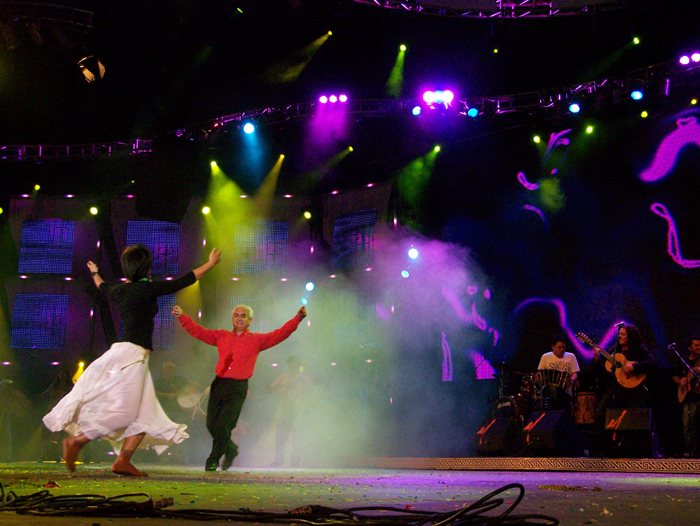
(689, 395)
(635, 360)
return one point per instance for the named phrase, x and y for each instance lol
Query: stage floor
(572, 497)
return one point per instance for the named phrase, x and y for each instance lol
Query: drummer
(557, 373)
(167, 388)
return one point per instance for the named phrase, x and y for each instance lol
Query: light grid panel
(353, 239)
(261, 248)
(164, 324)
(163, 240)
(46, 247)
(39, 321)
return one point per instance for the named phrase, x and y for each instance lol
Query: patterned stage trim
(606, 465)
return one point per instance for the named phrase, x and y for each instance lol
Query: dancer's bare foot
(124, 467)
(71, 448)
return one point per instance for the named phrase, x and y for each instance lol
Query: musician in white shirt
(557, 372)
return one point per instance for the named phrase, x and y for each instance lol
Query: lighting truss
(54, 13)
(545, 100)
(500, 8)
(34, 152)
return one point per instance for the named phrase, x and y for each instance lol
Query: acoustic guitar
(691, 380)
(615, 363)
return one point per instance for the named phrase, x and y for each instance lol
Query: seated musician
(557, 372)
(167, 388)
(632, 361)
(689, 396)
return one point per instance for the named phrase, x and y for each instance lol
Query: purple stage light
(429, 97)
(695, 57)
(323, 99)
(343, 98)
(684, 60)
(448, 96)
(333, 99)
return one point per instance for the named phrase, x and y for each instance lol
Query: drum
(585, 408)
(189, 396)
(505, 406)
(517, 406)
(529, 385)
(555, 377)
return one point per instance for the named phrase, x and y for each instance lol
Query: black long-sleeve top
(137, 303)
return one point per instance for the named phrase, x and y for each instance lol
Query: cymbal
(502, 365)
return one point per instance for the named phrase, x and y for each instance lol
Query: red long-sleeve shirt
(238, 353)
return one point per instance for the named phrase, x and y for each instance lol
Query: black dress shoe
(211, 465)
(231, 453)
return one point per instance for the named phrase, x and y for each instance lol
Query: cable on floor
(44, 504)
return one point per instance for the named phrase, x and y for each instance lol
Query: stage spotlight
(436, 149)
(307, 214)
(695, 57)
(309, 286)
(636, 40)
(304, 301)
(537, 139)
(574, 107)
(93, 210)
(684, 60)
(91, 68)
(37, 187)
(206, 210)
(416, 111)
(436, 98)
(343, 98)
(473, 112)
(323, 99)
(413, 253)
(402, 47)
(332, 99)
(404, 273)
(249, 128)
(637, 94)
(213, 164)
(589, 129)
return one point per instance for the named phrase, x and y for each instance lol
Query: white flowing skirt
(113, 399)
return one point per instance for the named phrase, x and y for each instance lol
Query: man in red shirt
(238, 352)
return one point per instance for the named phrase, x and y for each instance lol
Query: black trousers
(226, 399)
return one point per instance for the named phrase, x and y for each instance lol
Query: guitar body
(683, 390)
(628, 380)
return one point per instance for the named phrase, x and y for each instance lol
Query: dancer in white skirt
(115, 397)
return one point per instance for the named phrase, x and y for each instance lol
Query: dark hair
(634, 337)
(556, 339)
(693, 338)
(136, 262)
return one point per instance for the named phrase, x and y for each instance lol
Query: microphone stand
(690, 369)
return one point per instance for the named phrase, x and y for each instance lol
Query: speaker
(498, 436)
(553, 433)
(629, 433)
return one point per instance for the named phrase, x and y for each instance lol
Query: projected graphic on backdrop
(39, 321)
(46, 246)
(262, 247)
(163, 240)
